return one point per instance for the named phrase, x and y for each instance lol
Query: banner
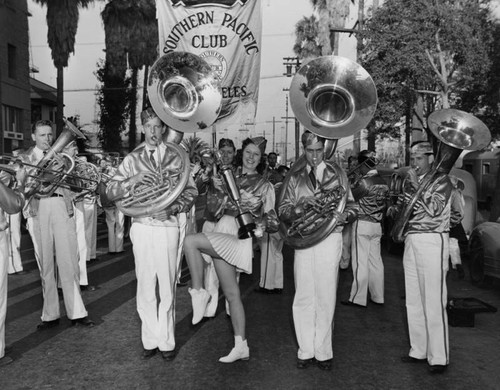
(227, 35)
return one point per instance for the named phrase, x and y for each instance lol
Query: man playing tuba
(425, 262)
(316, 267)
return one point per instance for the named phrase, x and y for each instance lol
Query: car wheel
(476, 262)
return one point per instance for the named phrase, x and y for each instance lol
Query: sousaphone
(456, 131)
(333, 97)
(186, 95)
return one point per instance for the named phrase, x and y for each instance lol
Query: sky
(279, 19)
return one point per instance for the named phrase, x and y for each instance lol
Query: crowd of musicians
(62, 228)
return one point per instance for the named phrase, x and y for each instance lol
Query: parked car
(484, 252)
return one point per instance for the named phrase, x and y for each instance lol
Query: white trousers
(316, 278)
(455, 257)
(56, 230)
(90, 215)
(14, 240)
(425, 262)
(83, 249)
(35, 238)
(271, 261)
(3, 288)
(155, 254)
(346, 246)
(367, 265)
(115, 220)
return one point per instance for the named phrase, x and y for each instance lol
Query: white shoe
(199, 301)
(240, 352)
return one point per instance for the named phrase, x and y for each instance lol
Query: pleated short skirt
(225, 241)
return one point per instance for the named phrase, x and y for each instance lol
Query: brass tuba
(185, 94)
(333, 97)
(456, 131)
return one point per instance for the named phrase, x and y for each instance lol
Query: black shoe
(278, 291)
(47, 324)
(349, 303)
(22, 272)
(377, 303)
(409, 359)
(5, 360)
(88, 288)
(84, 321)
(437, 369)
(304, 363)
(168, 355)
(325, 365)
(149, 353)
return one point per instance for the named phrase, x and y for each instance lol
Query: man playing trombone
(52, 228)
(155, 236)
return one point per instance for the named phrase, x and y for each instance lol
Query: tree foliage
(62, 24)
(437, 49)
(113, 98)
(306, 38)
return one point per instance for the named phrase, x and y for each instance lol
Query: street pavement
(367, 343)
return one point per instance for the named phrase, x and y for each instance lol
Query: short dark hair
(223, 142)
(40, 123)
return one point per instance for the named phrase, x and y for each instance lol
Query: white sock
(238, 340)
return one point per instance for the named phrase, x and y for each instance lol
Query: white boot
(239, 352)
(199, 301)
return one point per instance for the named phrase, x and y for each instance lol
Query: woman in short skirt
(229, 253)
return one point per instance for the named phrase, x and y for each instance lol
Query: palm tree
(62, 23)
(195, 148)
(306, 38)
(332, 13)
(131, 41)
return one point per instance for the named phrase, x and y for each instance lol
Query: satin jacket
(11, 201)
(431, 213)
(138, 161)
(299, 186)
(373, 202)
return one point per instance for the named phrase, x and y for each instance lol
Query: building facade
(15, 113)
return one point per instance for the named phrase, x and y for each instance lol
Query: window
(11, 119)
(486, 168)
(12, 61)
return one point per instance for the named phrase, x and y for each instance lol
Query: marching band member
(80, 224)
(14, 234)
(315, 268)
(154, 237)
(425, 262)
(367, 266)
(115, 219)
(212, 185)
(11, 201)
(229, 253)
(52, 228)
(457, 232)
